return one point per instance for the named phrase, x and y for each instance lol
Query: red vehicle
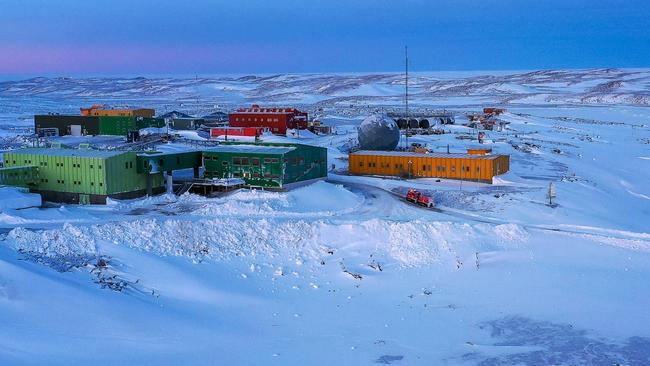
(418, 198)
(492, 110)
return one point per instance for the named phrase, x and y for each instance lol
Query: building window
(478, 169)
(101, 184)
(126, 165)
(225, 163)
(244, 161)
(236, 161)
(131, 164)
(91, 166)
(361, 163)
(453, 168)
(255, 161)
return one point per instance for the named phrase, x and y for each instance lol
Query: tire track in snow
(619, 238)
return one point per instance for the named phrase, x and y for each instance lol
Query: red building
(216, 132)
(277, 120)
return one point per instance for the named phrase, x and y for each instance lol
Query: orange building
(479, 151)
(99, 110)
(479, 168)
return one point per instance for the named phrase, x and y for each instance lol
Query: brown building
(479, 168)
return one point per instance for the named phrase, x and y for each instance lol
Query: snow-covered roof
(424, 155)
(251, 149)
(84, 153)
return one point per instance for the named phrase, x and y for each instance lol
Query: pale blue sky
(200, 36)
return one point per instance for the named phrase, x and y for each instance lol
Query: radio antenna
(406, 95)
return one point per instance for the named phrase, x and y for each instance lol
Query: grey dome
(378, 132)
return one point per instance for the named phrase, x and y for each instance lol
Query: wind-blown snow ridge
(410, 243)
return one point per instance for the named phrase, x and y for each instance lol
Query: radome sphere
(378, 132)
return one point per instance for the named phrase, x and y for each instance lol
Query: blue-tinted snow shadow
(547, 343)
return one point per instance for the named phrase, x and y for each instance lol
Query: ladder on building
(184, 188)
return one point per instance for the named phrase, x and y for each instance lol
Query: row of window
(424, 167)
(128, 165)
(14, 174)
(256, 161)
(251, 161)
(76, 182)
(254, 119)
(57, 164)
(257, 175)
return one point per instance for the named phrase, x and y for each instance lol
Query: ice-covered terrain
(343, 271)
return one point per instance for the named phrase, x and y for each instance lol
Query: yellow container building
(479, 168)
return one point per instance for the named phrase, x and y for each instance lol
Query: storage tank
(424, 123)
(378, 132)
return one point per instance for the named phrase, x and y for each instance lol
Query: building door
(75, 130)
(84, 199)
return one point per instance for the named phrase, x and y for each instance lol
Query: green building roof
(251, 149)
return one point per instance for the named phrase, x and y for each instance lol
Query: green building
(79, 175)
(92, 125)
(271, 165)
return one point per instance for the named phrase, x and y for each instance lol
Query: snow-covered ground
(343, 271)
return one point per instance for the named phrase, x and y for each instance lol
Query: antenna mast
(406, 63)
(406, 96)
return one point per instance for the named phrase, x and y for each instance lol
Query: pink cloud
(95, 58)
